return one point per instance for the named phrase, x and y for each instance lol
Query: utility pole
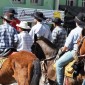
(56, 4)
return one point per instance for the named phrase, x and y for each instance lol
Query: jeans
(83, 82)
(60, 63)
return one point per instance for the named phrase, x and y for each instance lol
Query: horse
(49, 58)
(22, 67)
(46, 53)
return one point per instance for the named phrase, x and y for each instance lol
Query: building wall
(47, 4)
(63, 2)
(80, 3)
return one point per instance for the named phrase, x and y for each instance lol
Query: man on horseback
(39, 28)
(8, 35)
(70, 47)
(59, 33)
(13, 20)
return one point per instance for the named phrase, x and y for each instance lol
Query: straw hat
(23, 25)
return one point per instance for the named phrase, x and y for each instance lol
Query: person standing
(39, 29)
(8, 35)
(70, 46)
(59, 34)
(25, 40)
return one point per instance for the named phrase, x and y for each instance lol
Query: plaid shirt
(59, 36)
(8, 36)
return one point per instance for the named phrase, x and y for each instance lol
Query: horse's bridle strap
(47, 59)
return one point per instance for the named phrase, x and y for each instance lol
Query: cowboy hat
(39, 15)
(23, 25)
(57, 21)
(80, 19)
(5, 18)
(12, 11)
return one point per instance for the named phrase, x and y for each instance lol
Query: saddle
(7, 52)
(74, 67)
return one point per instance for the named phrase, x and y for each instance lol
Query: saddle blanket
(2, 61)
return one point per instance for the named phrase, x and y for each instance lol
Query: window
(37, 2)
(83, 3)
(71, 2)
(18, 1)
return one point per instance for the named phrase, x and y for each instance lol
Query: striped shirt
(58, 37)
(25, 41)
(8, 36)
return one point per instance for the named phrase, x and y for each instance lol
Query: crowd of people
(14, 33)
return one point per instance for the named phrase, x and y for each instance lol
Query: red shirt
(14, 22)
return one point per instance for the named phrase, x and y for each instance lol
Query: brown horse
(49, 52)
(81, 59)
(19, 67)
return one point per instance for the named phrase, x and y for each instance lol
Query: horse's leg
(21, 73)
(30, 71)
(36, 73)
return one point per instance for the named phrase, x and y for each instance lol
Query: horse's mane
(49, 43)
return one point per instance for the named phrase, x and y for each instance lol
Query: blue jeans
(83, 82)
(60, 63)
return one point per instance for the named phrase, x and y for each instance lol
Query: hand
(60, 52)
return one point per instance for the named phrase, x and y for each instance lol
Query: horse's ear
(35, 37)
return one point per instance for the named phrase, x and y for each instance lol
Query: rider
(8, 35)
(13, 20)
(46, 24)
(39, 28)
(25, 40)
(70, 46)
(59, 34)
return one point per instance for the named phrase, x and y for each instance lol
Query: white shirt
(25, 41)
(71, 41)
(38, 29)
(48, 30)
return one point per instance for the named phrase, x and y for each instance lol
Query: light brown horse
(18, 67)
(49, 52)
(46, 52)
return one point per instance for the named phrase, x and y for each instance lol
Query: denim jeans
(83, 82)
(60, 63)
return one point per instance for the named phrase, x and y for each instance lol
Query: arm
(69, 40)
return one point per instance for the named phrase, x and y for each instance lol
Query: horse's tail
(36, 73)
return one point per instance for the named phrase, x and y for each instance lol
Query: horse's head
(43, 48)
(37, 50)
